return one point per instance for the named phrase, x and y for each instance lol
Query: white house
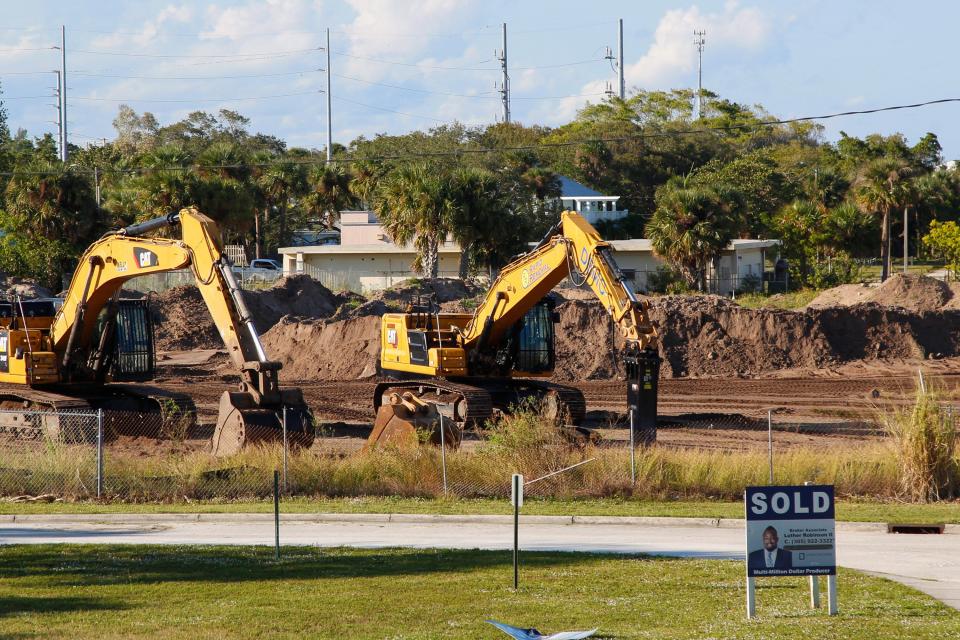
(740, 264)
(366, 260)
(592, 205)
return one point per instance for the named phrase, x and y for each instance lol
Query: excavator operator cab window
(535, 342)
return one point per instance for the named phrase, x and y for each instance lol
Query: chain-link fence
(131, 456)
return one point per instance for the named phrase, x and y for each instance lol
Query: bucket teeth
(241, 423)
(407, 421)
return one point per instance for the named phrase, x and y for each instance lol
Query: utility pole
(64, 153)
(96, 183)
(699, 40)
(505, 83)
(617, 65)
(57, 92)
(329, 110)
(623, 86)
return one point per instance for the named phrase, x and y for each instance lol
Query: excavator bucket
(242, 422)
(406, 420)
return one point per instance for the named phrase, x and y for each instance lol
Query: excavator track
(473, 404)
(570, 399)
(128, 410)
(476, 403)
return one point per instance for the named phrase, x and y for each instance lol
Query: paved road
(930, 563)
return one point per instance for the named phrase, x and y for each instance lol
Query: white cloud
(150, 30)
(280, 22)
(672, 55)
(391, 27)
(671, 58)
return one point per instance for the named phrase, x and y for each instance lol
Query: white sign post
(791, 532)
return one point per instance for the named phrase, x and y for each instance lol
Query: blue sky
(433, 61)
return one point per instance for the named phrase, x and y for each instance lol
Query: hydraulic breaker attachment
(406, 420)
(643, 373)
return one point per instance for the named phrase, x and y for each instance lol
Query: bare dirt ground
(822, 373)
(832, 409)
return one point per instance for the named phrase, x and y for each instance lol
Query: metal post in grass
(99, 453)
(814, 580)
(276, 513)
(443, 455)
(285, 447)
(833, 607)
(770, 441)
(516, 497)
(633, 452)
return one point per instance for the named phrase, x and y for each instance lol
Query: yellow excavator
(492, 359)
(75, 353)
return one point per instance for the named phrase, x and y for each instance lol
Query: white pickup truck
(260, 269)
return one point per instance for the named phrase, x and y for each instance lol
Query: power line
(402, 113)
(238, 56)
(189, 100)
(231, 77)
(562, 64)
(534, 147)
(416, 90)
(414, 64)
(18, 50)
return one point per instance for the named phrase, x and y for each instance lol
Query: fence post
(770, 441)
(276, 513)
(633, 453)
(99, 453)
(443, 455)
(285, 447)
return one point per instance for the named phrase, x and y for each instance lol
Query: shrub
(925, 441)
(666, 280)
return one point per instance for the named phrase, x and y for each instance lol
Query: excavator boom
(510, 335)
(77, 346)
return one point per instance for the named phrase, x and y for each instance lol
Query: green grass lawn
(945, 512)
(77, 592)
(790, 301)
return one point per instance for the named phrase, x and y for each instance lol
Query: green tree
(692, 225)
(943, 241)
(329, 193)
(480, 215)
(414, 205)
(50, 215)
(882, 187)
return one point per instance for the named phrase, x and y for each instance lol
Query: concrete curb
(411, 518)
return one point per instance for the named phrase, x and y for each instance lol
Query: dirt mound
(322, 350)
(298, 295)
(25, 288)
(916, 293)
(445, 290)
(712, 336)
(182, 321)
(842, 296)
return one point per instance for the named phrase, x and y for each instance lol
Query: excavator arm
(574, 248)
(251, 413)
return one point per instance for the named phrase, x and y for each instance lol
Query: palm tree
(883, 186)
(52, 210)
(329, 193)
(278, 184)
(479, 207)
(414, 204)
(692, 225)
